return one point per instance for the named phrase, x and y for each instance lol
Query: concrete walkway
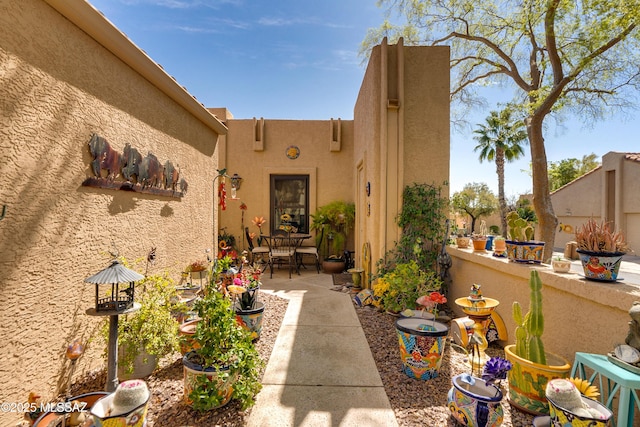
(321, 371)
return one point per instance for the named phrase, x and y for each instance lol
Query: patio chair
(301, 251)
(281, 248)
(261, 251)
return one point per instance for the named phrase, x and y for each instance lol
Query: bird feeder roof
(115, 273)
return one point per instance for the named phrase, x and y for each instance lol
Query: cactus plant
(529, 328)
(519, 229)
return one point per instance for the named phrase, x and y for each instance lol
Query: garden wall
(580, 315)
(58, 86)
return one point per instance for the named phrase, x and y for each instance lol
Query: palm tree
(500, 139)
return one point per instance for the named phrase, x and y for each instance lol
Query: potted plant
(149, 334)
(337, 220)
(400, 288)
(462, 240)
(476, 401)
(521, 247)
(226, 365)
(601, 250)
(422, 342)
(245, 290)
(499, 246)
(480, 239)
(560, 265)
(533, 368)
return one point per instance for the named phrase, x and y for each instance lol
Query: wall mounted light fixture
(236, 180)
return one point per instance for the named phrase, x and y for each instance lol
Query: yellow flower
(585, 387)
(235, 289)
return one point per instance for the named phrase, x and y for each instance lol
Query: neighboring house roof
(92, 22)
(592, 171)
(634, 157)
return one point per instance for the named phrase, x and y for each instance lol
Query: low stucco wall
(580, 315)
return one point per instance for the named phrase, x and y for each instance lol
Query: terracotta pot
(186, 330)
(528, 380)
(479, 244)
(333, 266)
(499, 245)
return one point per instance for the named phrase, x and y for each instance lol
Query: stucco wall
(580, 316)
(402, 133)
(57, 87)
(331, 172)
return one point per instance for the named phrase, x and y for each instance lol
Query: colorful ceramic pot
(186, 332)
(127, 406)
(220, 380)
(563, 417)
(422, 344)
(489, 244)
(525, 252)
(476, 404)
(600, 266)
(53, 418)
(528, 380)
(251, 319)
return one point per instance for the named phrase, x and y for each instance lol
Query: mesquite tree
(576, 56)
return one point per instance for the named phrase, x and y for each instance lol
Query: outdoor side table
(618, 381)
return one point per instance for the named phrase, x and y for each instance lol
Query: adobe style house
(608, 192)
(71, 81)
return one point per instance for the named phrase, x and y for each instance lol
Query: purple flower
(496, 368)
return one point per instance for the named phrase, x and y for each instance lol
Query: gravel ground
(415, 402)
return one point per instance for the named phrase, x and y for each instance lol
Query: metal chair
(301, 251)
(281, 247)
(255, 250)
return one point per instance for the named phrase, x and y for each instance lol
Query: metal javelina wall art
(129, 171)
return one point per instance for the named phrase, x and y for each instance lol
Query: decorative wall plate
(293, 152)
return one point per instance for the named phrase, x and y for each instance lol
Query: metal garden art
(140, 174)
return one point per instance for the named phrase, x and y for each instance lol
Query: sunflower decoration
(585, 387)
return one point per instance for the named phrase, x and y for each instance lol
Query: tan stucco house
(66, 74)
(608, 192)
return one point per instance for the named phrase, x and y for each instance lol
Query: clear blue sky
(298, 59)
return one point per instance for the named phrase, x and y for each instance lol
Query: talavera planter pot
(525, 252)
(422, 343)
(600, 266)
(528, 380)
(475, 405)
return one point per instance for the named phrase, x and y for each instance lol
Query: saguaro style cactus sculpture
(530, 328)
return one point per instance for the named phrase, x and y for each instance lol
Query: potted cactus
(533, 367)
(521, 247)
(601, 250)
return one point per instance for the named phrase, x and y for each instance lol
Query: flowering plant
(245, 286)
(495, 369)
(258, 221)
(431, 301)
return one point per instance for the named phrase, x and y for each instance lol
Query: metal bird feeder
(119, 299)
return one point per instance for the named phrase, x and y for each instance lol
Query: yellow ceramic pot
(528, 380)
